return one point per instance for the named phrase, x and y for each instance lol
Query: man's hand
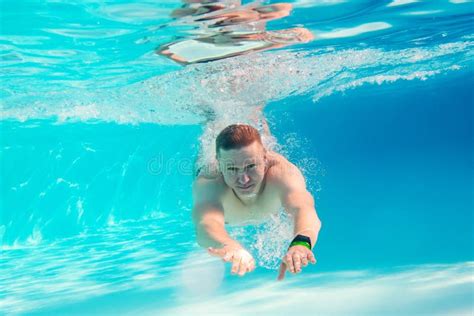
(242, 260)
(295, 258)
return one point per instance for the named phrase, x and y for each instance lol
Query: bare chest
(237, 213)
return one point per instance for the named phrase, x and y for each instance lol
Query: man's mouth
(245, 187)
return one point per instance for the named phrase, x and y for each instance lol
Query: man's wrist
(301, 240)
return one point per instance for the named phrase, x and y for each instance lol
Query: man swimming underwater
(249, 183)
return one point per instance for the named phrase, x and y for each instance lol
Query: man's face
(243, 169)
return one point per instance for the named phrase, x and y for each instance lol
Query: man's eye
(232, 169)
(251, 166)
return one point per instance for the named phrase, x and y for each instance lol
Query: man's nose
(243, 178)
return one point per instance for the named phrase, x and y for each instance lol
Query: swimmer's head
(242, 158)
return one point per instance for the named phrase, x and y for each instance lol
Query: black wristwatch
(301, 240)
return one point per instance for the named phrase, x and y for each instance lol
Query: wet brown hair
(236, 136)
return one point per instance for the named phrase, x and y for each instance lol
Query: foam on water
(93, 44)
(235, 86)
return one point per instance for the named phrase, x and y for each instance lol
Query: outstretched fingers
(246, 265)
(294, 261)
(304, 261)
(311, 257)
(235, 265)
(297, 262)
(251, 266)
(243, 268)
(289, 262)
(282, 271)
(242, 261)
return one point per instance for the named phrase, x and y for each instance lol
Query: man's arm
(208, 217)
(298, 202)
(208, 214)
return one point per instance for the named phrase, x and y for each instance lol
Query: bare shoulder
(289, 182)
(208, 188)
(282, 173)
(207, 199)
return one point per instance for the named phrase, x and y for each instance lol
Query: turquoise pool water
(99, 135)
